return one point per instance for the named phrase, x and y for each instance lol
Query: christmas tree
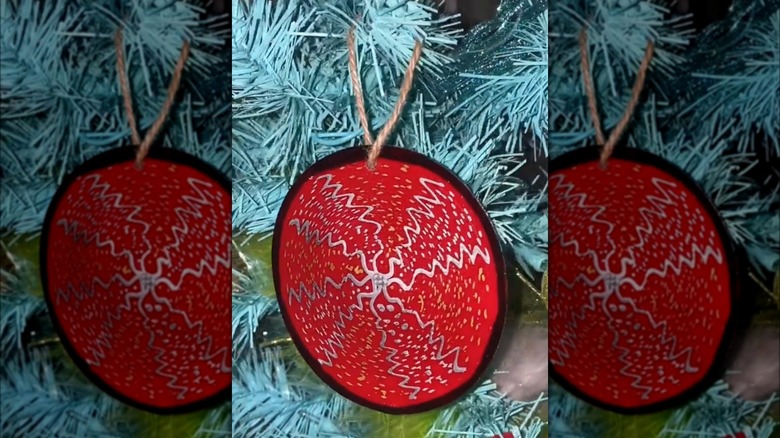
(478, 106)
(61, 105)
(710, 105)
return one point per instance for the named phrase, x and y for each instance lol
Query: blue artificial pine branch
(250, 306)
(500, 76)
(293, 102)
(217, 423)
(698, 121)
(36, 404)
(487, 413)
(721, 413)
(618, 33)
(17, 306)
(269, 401)
(735, 75)
(706, 155)
(61, 102)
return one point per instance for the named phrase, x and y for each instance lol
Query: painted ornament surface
(136, 270)
(391, 281)
(641, 283)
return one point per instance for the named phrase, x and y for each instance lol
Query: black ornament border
(98, 162)
(741, 301)
(356, 154)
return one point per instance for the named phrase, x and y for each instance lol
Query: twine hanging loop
(609, 145)
(375, 147)
(145, 144)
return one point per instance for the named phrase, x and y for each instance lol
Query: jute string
(376, 145)
(609, 145)
(173, 87)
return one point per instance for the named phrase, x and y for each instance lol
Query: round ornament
(392, 281)
(136, 271)
(643, 281)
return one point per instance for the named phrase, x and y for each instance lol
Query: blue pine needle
(250, 306)
(36, 404)
(293, 104)
(269, 401)
(735, 76)
(487, 413)
(60, 104)
(705, 121)
(17, 306)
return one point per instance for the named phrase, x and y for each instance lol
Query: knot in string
(375, 147)
(173, 87)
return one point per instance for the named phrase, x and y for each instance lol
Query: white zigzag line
(431, 327)
(449, 262)
(570, 336)
(200, 341)
(664, 340)
(425, 212)
(194, 203)
(318, 290)
(103, 341)
(305, 230)
(646, 214)
(647, 229)
(329, 349)
(73, 228)
(568, 188)
(71, 292)
(203, 266)
(637, 379)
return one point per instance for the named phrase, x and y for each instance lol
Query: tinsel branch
(500, 77)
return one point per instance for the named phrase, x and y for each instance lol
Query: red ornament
(136, 272)
(643, 283)
(391, 282)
